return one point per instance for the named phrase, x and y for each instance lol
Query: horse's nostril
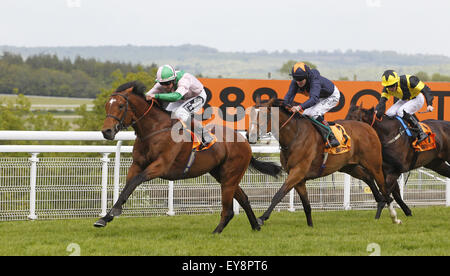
(108, 134)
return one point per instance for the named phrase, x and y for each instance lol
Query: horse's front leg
(295, 176)
(133, 180)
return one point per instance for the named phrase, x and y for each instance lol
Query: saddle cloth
(197, 141)
(429, 143)
(344, 139)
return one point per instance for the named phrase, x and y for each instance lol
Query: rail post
(347, 189)
(235, 207)
(447, 192)
(33, 174)
(104, 199)
(291, 201)
(116, 173)
(171, 211)
(401, 184)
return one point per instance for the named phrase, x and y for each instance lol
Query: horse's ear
(258, 100)
(361, 105)
(271, 101)
(129, 89)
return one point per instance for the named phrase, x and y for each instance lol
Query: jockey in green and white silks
(185, 95)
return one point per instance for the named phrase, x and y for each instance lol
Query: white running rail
(72, 187)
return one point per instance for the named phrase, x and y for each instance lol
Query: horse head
(121, 113)
(359, 113)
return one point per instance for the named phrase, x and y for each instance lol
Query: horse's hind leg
(374, 169)
(439, 166)
(359, 172)
(392, 184)
(229, 175)
(242, 198)
(227, 207)
(301, 190)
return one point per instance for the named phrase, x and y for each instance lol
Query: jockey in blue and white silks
(323, 96)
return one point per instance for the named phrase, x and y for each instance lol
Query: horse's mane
(138, 88)
(285, 108)
(370, 111)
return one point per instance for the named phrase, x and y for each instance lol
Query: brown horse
(156, 154)
(302, 155)
(398, 155)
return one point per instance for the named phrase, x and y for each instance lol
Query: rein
(121, 120)
(375, 118)
(292, 116)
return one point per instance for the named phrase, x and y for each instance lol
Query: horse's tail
(269, 168)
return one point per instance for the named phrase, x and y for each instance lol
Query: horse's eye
(121, 106)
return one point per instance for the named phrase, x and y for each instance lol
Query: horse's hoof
(115, 212)
(397, 221)
(260, 221)
(100, 223)
(257, 228)
(216, 232)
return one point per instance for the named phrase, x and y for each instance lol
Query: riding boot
(415, 124)
(327, 133)
(206, 136)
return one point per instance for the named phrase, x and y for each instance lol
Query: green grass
(334, 233)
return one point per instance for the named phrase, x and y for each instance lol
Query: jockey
(185, 94)
(323, 96)
(412, 94)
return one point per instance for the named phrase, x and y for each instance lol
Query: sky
(404, 26)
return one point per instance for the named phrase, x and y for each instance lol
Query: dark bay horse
(156, 154)
(302, 155)
(398, 155)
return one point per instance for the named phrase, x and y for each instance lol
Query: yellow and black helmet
(389, 78)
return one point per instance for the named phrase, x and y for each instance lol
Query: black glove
(381, 107)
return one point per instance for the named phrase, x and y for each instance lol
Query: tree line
(48, 75)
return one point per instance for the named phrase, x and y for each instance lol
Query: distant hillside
(209, 62)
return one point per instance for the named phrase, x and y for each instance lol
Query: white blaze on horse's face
(112, 101)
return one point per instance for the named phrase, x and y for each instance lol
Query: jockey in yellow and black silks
(412, 94)
(323, 96)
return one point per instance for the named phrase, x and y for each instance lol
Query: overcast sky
(405, 26)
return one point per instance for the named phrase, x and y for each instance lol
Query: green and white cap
(165, 73)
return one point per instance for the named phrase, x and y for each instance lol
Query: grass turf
(427, 232)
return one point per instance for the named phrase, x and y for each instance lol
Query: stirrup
(424, 136)
(333, 142)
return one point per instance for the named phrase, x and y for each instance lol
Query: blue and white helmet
(165, 73)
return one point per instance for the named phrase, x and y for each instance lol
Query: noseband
(121, 120)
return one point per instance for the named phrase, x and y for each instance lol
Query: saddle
(344, 139)
(428, 144)
(197, 141)
(196, 146)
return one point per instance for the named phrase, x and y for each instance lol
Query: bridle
(121, 120)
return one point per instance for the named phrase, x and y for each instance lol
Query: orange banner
(226, 96)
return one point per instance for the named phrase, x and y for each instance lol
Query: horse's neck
(156, 119)
(387, 128)
(289, 128)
